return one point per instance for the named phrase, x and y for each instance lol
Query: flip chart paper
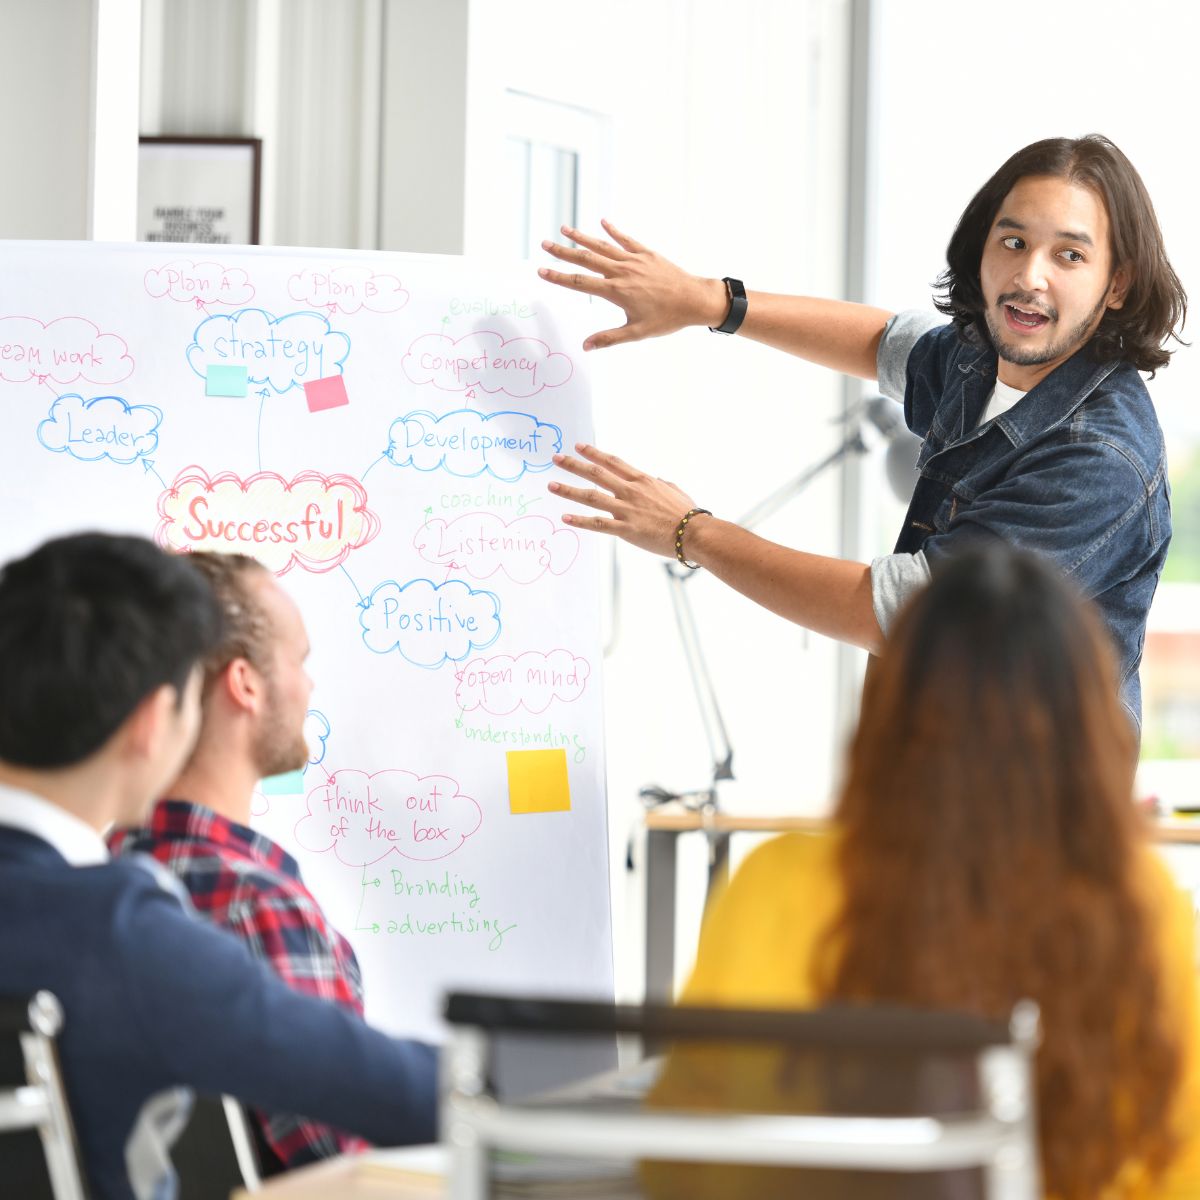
(453, 617)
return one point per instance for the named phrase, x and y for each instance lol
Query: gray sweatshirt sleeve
(894, 579)
(900, 335)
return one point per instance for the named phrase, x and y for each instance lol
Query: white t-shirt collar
(1000, 401)
(74, 839)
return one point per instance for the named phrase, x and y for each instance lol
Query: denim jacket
(1076, 471)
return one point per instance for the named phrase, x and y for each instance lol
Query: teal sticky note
(291, 784)
(231, 379)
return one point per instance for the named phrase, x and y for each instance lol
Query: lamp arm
(715, 731)
(769, 505)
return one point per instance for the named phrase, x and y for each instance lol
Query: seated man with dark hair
(101, 639)
(253, 705)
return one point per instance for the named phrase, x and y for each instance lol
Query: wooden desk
(398, 1175)
(665, 825)
(345, 1179)
(1181, 831)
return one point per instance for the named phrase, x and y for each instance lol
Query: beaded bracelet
(695, 512)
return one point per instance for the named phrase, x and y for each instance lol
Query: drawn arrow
(445, 320)
(265, 393)
(452, 567)
(331, 307)
(200, 306)
(42, 380)
(366, 883)
(458, 719)
(363, 477)
(363, 602)
(428, 513)
(149, 469)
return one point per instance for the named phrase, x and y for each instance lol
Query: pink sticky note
(329, 392)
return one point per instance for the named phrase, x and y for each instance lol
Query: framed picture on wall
(199, 189)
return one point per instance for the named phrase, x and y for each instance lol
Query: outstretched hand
(656, 296)
(645, 510)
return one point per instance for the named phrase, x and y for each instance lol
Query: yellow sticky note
(537, 781)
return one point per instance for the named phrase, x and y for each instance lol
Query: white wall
(423, 148)
(197, 66)
(303, 75)
(46, 82)
(68, 85)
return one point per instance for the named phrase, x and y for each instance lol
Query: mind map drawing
(377, 431)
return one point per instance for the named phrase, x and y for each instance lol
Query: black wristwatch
(736, 291)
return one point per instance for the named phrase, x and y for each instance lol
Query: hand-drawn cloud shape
(67, 349)
(468, 443)
(483, 543)
(199, 283)
(348, 289)
(103, 427)
(312, 520)
(283, 352)
(259, 804)
(363, 818)
(429, 623)
(532, 681)
(316, 735)
(520, 367)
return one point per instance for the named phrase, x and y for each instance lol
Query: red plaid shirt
(246, 883)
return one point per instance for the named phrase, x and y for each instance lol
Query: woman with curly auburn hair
(986, 849)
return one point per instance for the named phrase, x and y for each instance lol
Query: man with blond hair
(254, 703)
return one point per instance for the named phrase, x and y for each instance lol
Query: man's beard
(1036, 358)
(278, 749)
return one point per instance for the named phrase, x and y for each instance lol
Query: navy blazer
(156, 998)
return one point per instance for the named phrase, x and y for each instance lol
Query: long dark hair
(991, 851)
(1155, 306)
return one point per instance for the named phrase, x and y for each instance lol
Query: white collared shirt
(74, 839)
